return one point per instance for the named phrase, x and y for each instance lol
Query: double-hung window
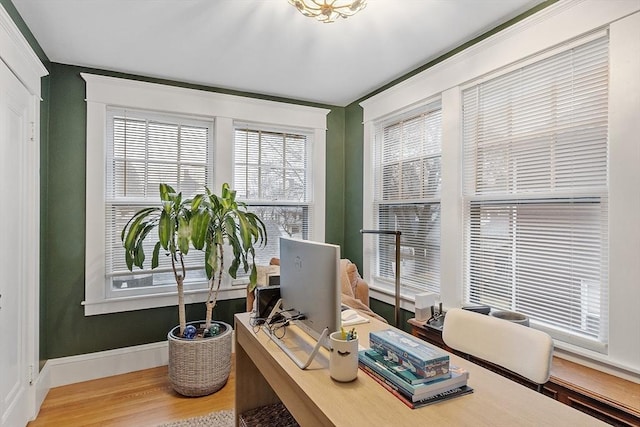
(536, 192)
(407, 178)
(145, 149)
(273, 174)
(142, 134)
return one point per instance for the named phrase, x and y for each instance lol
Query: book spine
(450, 394)
(413, 393)
(381, 370)
(387, 386)
(393, 368)
(428, 369)
(407, 375)
(446, 395)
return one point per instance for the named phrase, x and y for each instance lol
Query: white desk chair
(518, 348)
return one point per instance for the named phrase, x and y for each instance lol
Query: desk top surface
(315, 399)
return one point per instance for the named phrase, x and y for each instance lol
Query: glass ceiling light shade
(328, 10)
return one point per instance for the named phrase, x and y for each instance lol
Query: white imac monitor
(310, 285)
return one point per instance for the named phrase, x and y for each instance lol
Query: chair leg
(540, 387)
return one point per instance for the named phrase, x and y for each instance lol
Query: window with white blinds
(272, 174)
(145, 149)
(535, 191)
(407, 181)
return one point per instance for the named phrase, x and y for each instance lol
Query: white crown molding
(136, 94)
(552, 26)
(16, 52)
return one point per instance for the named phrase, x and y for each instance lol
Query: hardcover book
(413, 377)
(417, 392)
(446, 395)
(419, 357)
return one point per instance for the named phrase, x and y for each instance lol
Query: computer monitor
(310, 284)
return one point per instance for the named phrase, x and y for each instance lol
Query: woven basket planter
(201, 366)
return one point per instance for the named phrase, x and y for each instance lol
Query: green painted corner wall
(353, 154)
(65, 330)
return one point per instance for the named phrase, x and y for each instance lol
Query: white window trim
(557, 24)
(103, 91)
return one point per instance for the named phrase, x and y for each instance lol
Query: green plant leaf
(165, 229)
(184, 235)
(156, 255)
(138, 259)
(166, 192)
(134, 231)
(196, 201)
(199, 227)
(129, 260)
(233, 269)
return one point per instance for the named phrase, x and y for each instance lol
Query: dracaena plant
(230, 224)
(205, 222)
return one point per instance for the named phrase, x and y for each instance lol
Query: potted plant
(199, 356)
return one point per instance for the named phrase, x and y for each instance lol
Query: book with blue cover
(417, 356)
(410, 402)
(368, 360)
(411, 376)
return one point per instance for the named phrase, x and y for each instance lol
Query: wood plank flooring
(142, 398)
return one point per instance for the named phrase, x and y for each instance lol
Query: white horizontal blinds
(272, 174)
(145, 149)
(535, 187)
(407, 173)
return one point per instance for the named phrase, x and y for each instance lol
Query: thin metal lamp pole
(397, 292)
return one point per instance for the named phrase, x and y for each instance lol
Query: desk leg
(252, 390)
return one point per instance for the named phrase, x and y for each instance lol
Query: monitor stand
(301, 364)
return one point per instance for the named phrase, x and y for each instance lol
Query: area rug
(214, 419)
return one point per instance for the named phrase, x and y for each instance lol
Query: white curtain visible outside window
(536, 192)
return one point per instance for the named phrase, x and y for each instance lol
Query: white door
(15, 278)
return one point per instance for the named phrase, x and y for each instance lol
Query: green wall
(65, 329)
(353, 154)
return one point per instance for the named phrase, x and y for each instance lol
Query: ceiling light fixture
(328, 10)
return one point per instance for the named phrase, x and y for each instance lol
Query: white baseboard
(41, 387)
(91, 366)
(86, 367)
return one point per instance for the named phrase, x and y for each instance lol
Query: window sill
(140, 302)
(387, 296)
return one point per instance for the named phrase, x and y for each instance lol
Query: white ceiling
(261, 46)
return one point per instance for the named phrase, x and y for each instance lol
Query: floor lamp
(397, 290)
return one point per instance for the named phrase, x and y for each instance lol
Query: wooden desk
(604, 396)
(264, 375)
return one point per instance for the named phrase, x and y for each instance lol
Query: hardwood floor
(142, 398)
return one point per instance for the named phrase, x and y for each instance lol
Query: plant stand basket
(199, 367)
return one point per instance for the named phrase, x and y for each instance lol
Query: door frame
(20, 58)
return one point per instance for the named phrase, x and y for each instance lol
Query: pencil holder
(343, 360)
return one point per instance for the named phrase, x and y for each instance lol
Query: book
(412, 392)
(419, 357)
(449, 394)
(411, 376)
(457, 376)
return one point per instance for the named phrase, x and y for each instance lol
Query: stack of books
(416, 372)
